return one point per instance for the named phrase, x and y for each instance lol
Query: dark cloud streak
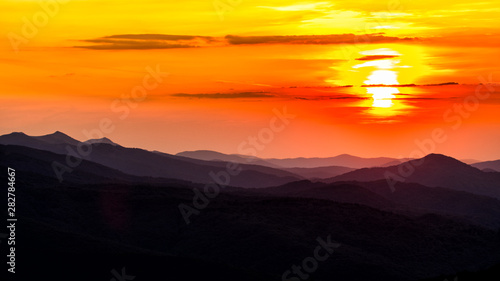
(376, 57)
(165, 41)
(243, 95)
(314, 39)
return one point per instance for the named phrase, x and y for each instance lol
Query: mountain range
(344, 160)
(436, 217)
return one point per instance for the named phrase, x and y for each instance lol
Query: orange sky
(67, 65)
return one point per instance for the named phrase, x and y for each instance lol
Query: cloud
(315, 39)
(411, 85)
(166, 41)
(157, 37)
(332, 97)
(148, 41)
(376, 57)
(243, 95)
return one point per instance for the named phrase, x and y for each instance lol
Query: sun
(377, 70)
(382, 77)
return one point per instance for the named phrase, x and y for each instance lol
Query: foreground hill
(263, 235)
(409, 198)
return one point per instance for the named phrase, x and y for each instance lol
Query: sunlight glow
(384, 77)
(382, 96)
(381, 64)
(299, 7)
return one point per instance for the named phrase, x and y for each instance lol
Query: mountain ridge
(433, 170)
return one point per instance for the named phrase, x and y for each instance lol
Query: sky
(268, 78)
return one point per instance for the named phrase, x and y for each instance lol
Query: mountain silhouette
(55, 142)
(140, 222)
(434, 170)
(492, 165)
(101, 140)
(37, 165)
(408, 199)
(344, 160)
(120, 206)
(308, 173)
(143, 163)
(209, 155)
(319, 172)
(58, 137)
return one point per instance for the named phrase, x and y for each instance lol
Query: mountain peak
(102, 140)
(57, 137)
(439, 161)
(345, 155)
(440, 157)
(16, 134)
(59, 133)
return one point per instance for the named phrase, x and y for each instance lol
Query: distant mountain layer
(434, 170)
(308, 173)
(343, 160)
(209, 155)
(319, 172)
(492, 165)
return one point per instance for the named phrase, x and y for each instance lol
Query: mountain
(469, 161)
(37, 165)
(341, 192)
(344, 160)
(100, 221)
(409, 199)
(319, 172)
(55, 142)
(143, 163)
(492, 165)
(58, 138)
(308, 173)
(209, 155)
(139, 227)
(101, 140)
(434, 170)
(459, 205)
